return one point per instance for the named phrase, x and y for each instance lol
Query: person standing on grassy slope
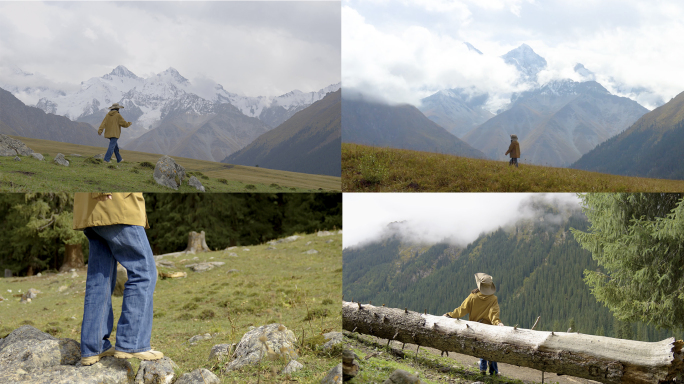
(111, 125)
(483, 307)
(114, 224)
(514, 150)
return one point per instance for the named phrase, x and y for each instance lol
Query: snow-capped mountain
(456, 110)
(526, 61)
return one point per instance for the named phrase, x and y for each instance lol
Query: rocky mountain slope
(557, 123)
(652, 147)
(400, 126)
(456, 110)
(309, 142)
(18, 119)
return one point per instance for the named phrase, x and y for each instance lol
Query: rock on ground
(350, 367)
(292, 366)
(311, 252)
(37, 156)
(279, 341)
(333, 339)
(220, 351)
(30, 356)
(324, 233)
(17, 158)
(157, 371)
(168, 173)
(198, 376)
(59, 159)
(13, 147)
(193, 340)
(194, 182)
(400, 376)
(99, 156)
(334, 376)
(204, 266)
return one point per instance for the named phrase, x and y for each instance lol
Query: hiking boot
(121, 161)
(94, 359)
(147, 355)
(483, 373)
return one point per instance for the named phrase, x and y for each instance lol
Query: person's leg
(493, 368)
(110, 149)
(510, 162)
(116, 151)
(515, 160)
(98, 317)
(483, 366)
(130, 247)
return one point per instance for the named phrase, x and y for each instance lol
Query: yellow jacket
(123, 208)
(112, 124)
(482, 308)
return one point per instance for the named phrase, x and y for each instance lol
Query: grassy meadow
(87, 174)
(283, 285)
(374, 169)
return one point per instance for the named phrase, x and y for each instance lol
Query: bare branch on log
(598, 358)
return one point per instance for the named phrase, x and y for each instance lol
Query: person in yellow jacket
(514, 150)
(481, 306)
(114, 224)
(111, 125)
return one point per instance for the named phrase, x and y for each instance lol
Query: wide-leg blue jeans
(113, 148)
(128, 245)
(493, 366)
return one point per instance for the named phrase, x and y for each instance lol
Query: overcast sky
(404, 50)
(252, 48)
(434, 216)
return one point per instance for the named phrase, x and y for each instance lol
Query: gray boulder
(334, 376)
(197, 338)
(168, 173)
(59, 159)
(13, 147)
(28, 355)
(17, 158)
(350, 367)
(198, 376)
(204, 266)
(265, 342)
(220, 351)
(37, 156)
(194, 182)
(157, 371)
(400, 376)
(99, 156)
(333, 339)
(292, 366)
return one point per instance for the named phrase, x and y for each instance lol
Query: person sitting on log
(114, 224)
(483, 307)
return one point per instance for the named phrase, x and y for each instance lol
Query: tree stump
(73, 257)
(196, 243)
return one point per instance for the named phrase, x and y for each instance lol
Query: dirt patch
(27, 173)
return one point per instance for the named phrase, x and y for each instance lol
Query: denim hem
(133, 350)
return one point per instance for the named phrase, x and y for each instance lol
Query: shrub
(146, 164)
(372, 169)
(190, 306)
(224, 181)
(250, 186)
(327, 301)
(207, 314)
(318, 312)
(185, 316)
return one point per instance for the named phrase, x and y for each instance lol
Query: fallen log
(598, 358)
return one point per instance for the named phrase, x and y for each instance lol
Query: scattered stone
(324, 233)
(339, 232)
(24, 299)
(329, 241)
(271, 248)
(194, 182)
(265, 342)
(220, 351)
(157, 371)
(334, 376)
(233, 271)
(233, 254)
(74, 275)
(204, 266)
(289, 239)
(195, 339)
(198, 376)
(76, 155)
(245, 249)
(28, 355)
(168, 173)
(350, 367)
(400, 376)
(230, 248)
(99, 156)
(121, 279)
(37, 156)
(311, 252)
(292, 366)
(62, 288)
(333, 338)
(59, 159)
(39, 274)
(308, 243)
(13, 147)
(17, 158)
(166, 263)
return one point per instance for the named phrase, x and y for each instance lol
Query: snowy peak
(173, 75)
(584, 72)
(567, 87)
(120, 71)
(471, 48)
(526, 61)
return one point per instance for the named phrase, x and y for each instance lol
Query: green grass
(284, 285)
(87, 174)
(373, 169)
(377, 361)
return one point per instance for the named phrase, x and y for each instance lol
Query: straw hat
(485, 283)
(116, 106)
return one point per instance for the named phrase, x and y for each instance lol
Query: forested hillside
(536, 264)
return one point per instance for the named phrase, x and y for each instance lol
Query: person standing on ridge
(111, 125)
(483, 307)
(114, 224)
(514, 150)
